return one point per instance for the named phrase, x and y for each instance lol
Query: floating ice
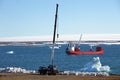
(10, 52)
(55, 47)
(95, 66)
(16, 70)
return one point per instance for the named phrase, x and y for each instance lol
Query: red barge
(76, 51)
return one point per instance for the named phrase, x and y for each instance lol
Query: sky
(36, 17)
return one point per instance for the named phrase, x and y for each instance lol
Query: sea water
(31, 57)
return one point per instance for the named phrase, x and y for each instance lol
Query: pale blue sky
(36, 17)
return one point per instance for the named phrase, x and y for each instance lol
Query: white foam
(95, 66)
(16, 70)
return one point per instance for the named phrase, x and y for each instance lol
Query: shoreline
(36, 76)
(41, 43)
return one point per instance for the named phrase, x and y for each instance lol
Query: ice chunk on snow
(95, 66)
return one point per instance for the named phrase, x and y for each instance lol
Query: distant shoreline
(35, 43)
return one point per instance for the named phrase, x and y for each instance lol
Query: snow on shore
(16, 70)
(95, 66)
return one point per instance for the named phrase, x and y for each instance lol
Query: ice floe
(95, 66)
(10, 52)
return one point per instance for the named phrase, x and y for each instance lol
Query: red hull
(80, 52)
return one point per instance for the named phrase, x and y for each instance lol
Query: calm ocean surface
(31, 57)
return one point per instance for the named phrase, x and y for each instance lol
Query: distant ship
(75, 50)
